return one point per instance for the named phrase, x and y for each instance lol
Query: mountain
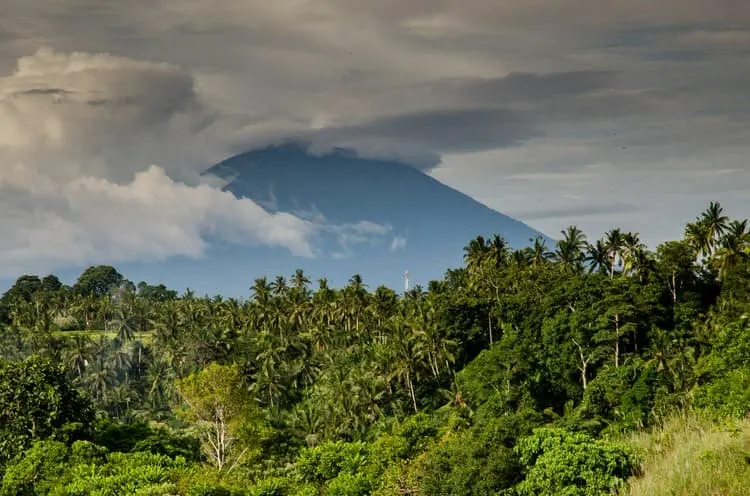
(427, 222)
(385, 217)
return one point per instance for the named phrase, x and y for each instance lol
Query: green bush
(560, 462)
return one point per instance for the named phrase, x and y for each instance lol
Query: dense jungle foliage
(542, 371)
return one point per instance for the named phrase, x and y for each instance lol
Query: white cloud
(49, 224)
(398, 243)
(107, 116)
(77, 134)
(352, 234)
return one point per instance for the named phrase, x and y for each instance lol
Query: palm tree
(597, 257)
(79, 353)
(715, 221)
(124, 325)
(403, 363)
(278, 286)
(538, 253)
(733, 248)
(699, 238)
(613, 241)
(570, 249)
(300, 280)
(521, 258)
(100, 378)
(497, 251)
(261, 290)
(307, 423)
(632, 249)
(475, 253)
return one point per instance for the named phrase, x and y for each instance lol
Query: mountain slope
(429, 223)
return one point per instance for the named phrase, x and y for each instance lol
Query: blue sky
(576, 111)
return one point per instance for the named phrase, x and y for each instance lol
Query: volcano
(385, 217)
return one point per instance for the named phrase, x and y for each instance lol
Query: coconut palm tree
(497, 251)
(475, 253)
(79, 353)
(279, 286)
(124, 325)
(613, 241)
(300, 280)
(715, 221)
(597, 257)
(538, 253)
(570, 249)
(699, 238)
(632, 249)
(733, 248)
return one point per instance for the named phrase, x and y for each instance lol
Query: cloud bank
(49, 224)
(74, 189)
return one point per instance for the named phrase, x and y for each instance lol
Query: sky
(596, 113)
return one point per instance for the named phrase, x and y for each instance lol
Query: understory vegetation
(586, 368)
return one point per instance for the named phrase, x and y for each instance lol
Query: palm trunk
(674, 297)
(617, 339)
(411, 392)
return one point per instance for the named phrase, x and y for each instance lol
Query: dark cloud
(535, 87)
(577, 211)
(449, 130)
(44, 91)
(493, 113)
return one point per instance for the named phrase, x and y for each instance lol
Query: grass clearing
(694, 456)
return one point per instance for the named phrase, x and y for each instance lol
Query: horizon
(70, 275)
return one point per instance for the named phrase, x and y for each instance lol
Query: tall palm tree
(261, 290)
(715, 221)
(475, 253)
(733, 248)
(632, 249)
(79, 353)
(403, 365)
(538, 253)
(300, 280)
(613, 241)
(100, 378)
(570, 249)
(279, 286)
(124, 325)
(597, 257)
(497, 251)
(699, 238)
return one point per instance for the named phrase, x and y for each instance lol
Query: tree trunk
(583, 375)
(584, 365)
(411, 392)
(674, 297)
(617, 339)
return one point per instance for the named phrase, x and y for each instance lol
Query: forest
(592, 367)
